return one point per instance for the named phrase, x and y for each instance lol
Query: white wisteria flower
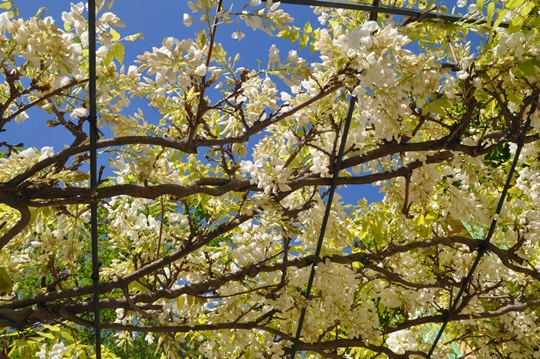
(273, 55)
(201, 70)
(4, 21)
(238, 35)
(188, 20)
(78, 112)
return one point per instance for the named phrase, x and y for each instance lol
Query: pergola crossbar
(348, 5)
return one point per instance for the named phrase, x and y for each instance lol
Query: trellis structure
(392, 10)
(77, 303)
(374, 10)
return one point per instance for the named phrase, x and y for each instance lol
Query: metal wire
(482, 249)
(92, 120)
(337, 167)
(343, 4)
(332, 190)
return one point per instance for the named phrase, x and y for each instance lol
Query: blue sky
(157, 20)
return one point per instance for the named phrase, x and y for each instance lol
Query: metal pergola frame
(374, 9)
(349, 5)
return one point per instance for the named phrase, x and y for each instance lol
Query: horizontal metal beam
(344, 4)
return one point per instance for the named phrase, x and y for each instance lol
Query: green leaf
(512, 4)
(5, 209)
(515, 99)
(307, 27)
(516, 192)
(311, 48)
(424, 231)
(444, 102)
(52, 328)
(5, 6)
(5, 281)
(500, 17)
(136, 287)
(20, 343)
(284, 34)
(115, 34)
(515, 25)
(529, 68)
(295, 34)
(46, 335)
(191, 94)
(480, 5)
(66, 335)
(439, 106)
(490, 11)
(420, 219)
(304, 39)
(108, 59)
(526, 9)
(134, 37)
(118, 52)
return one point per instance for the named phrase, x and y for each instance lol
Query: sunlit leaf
(118, 52)
(5, 281)
(500, 17)
(515, 24)
(307, 27)
(115, 34)
(304, 39)
(490, 11)
(512, 4)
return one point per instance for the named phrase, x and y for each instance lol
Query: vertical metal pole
(335, 177)
(482, 249)
(92, 119)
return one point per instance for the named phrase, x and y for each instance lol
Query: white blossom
(188, 20)
(273, 55)
(78, 112)
(238, 35)
(201, 70)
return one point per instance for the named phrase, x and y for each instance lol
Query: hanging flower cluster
(212, 198)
